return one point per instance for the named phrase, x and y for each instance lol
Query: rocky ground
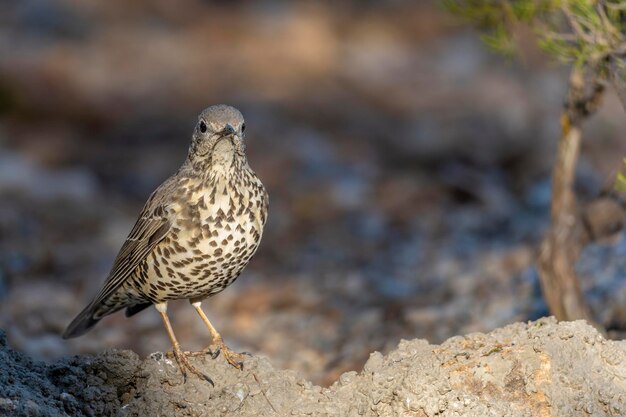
(537, 369)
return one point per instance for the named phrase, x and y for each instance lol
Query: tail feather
(92, 314)
(82, 323)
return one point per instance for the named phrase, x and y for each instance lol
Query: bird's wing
(151, 227)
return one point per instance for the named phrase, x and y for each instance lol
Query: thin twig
(602, 13)
(263, 392)
(575, 25)
(616, 6)
(567, 37)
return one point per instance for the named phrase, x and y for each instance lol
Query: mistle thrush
(194, 236)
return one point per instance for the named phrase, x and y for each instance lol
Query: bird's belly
(196, 262)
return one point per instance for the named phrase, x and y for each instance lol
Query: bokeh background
(407, 166)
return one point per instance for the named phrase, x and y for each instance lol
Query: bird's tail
(82, 323)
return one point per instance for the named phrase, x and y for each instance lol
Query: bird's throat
(223, 155)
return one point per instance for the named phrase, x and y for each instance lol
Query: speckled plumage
(215, 229)
(196, 232)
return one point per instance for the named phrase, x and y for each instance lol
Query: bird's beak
(227, 131)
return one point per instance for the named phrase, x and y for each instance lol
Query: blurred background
(407, 166)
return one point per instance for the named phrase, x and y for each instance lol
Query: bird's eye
(243, 127)
(202, 126)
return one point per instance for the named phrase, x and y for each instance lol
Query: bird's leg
(217, 343)
(180, 356)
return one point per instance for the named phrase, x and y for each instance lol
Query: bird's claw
(183, 363)
(214, 352)
(233, 358)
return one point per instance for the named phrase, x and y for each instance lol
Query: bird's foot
(184, 364)
(218, 346)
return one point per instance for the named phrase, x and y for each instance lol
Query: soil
(539, 368)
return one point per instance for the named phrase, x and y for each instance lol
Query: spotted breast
(217, 228)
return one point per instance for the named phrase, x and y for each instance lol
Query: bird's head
(218, 137)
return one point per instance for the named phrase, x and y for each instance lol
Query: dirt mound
(542, 368)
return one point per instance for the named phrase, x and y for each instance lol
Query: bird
(194, 236)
